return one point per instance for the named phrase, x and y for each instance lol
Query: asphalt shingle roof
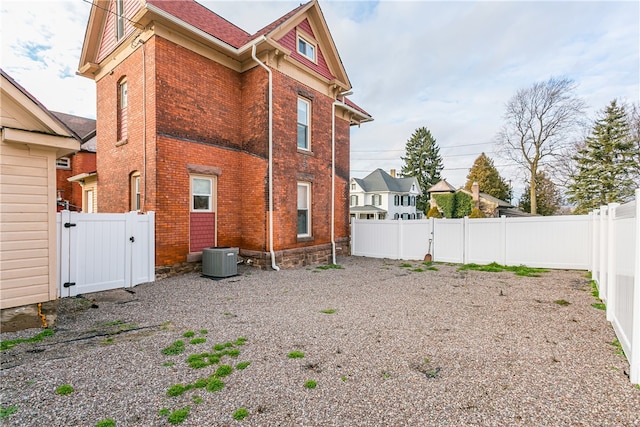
(379, 180)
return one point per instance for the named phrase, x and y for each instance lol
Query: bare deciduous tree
(538, 123)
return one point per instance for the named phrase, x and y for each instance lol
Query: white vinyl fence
(551, 242)
(615, 267)
(101, 251)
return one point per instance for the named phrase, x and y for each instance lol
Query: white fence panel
(393, 239)
(616, 271)
(448, 240)
(104, 251)
(548, 242)
(485, 241)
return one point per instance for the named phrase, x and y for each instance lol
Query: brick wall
(199, 112)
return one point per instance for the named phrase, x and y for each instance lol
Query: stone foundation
(290, 258)
(29, 316)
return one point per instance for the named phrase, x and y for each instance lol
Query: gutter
(255, 58)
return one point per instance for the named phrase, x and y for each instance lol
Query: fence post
(64, 254)
(634, 359)
(602, 274)
(611, 260)
(465, 240)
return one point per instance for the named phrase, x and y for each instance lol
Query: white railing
(551, 242)
(615, 268)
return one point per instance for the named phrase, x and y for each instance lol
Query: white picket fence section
(615, 267)
(550, 242)
(102, 251)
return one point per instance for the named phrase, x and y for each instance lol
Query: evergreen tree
(489, 180)
(608, 163)
(423, 162)
(547, 194)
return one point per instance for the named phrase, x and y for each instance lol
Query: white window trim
(308, 42)
(308, 103)
(119, 19)
(308, 186)
(63, 163)
(211, 207)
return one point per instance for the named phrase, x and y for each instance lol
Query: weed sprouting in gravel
(177, 390)
(328, 311)
(108, 422)
(167, 364)
(214, 384)
(310, 384)
(243, 365)
(562, 302)
(329, 267)
(196, 399)
(223, 371)
(164, 412)
(189, 334)
(240, 414)
(494, 267)
(8, 344)
(295, 355)
(64, 390)
(179, 415)
(405, 265)
(6, 411)
(198, 340)
(233, 352)
(176, 348)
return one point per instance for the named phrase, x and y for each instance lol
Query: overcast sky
(449, 66)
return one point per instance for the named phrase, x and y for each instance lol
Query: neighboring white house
(383, 196)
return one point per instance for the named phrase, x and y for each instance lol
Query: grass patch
(405, 265)
(167, 364)
(243, 365)
(329, 267)
(417, 270)
(189, 334)
(179, 415)
(214, 384)
(240, 414)
(599, 305)
(177, 390)
(164, 412)
(108, 422)
(295, 355)
(223, 371)
(618, 347)
(8, 344)
(562, 302)
(328, 311)
(64, 390)
(198, 340)
(7, 411)
(596, 294)
(196, 399)
(176, 348)
(203, 332)
(519, 270)
(310, 384)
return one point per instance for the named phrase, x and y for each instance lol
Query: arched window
(122, 109)
(135, 192)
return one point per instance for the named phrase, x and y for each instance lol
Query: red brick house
(233, 139)
(76, 173)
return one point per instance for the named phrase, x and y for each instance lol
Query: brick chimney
(393, 173)
(475, 194)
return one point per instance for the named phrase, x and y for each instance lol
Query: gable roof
(379, 180)
(25, 120)
(442, 187)
(83, 127)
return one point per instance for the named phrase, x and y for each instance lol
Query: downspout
(255, 58)
(144, 130)
(333, 176)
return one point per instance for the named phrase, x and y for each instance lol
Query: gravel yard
(403, 347)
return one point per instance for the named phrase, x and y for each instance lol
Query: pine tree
(547, 194)
(422, 161)
(607, 165)
(488, 178)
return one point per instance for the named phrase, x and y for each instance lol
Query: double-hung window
(201, 194)
(376, 200)
(306, 49)
(354, 200)
(135, 192)
(304, 214)
(122, 110)
(304, 121)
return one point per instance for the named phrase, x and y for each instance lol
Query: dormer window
(306, 49)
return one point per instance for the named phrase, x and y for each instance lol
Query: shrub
(477, 213)
(434, 213)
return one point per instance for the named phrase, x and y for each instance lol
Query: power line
(402, 150)
(134, 23)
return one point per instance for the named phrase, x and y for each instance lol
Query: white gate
(102, 251)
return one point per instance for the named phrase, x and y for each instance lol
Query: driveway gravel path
(386, 344)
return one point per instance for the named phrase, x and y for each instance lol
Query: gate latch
(132, 239)
(69, 225)
(68, 284)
